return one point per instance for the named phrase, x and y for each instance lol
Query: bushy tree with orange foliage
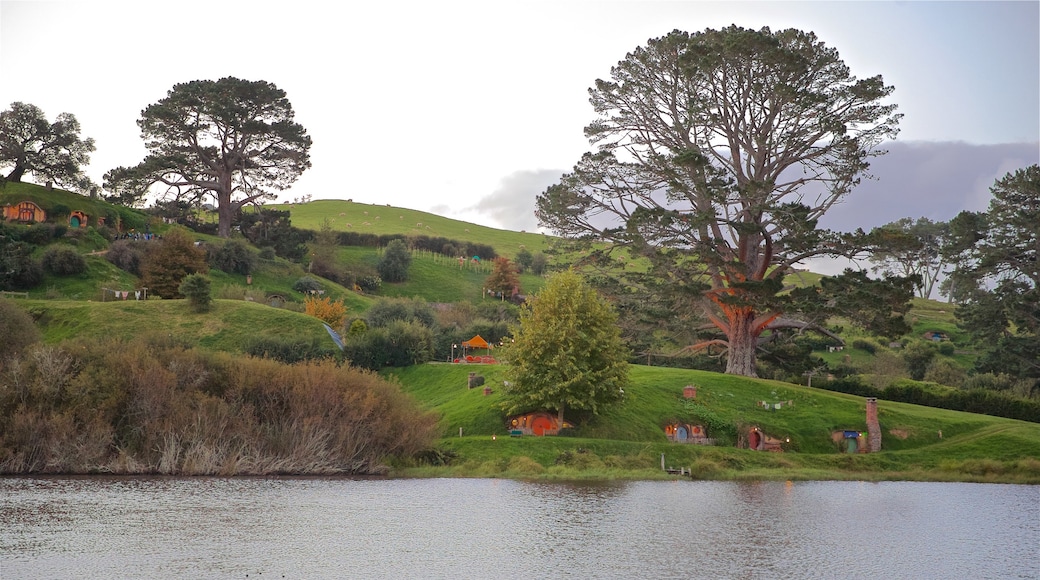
(504, 278)
(325, 309)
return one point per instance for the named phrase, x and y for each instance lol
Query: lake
(121, 527)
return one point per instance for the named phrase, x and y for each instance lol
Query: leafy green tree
(539, 263)
(170, 261)
(910, 247)
(49, 151)
(524, 258)
(567, 352)
(705, 143)
(196, 288)
(504, 279)
(233, 257)
(997, 274)
(232, 140)
(393, 265)
(268, 228)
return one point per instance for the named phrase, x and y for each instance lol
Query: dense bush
(169, 261)
(369, 283)
(388, 310)
(395, 261)
(399, 344)
(523, 260)
(918, 355)
(234, 257)
(307, 285)
(273, 229)
(290, 351)
(539, 264)
(865, 345)
(38, 234)
(128, 255)
(63, 261)
(171, 410)
(18, 269)
(325, 309)
(196, 288)
(16, 328)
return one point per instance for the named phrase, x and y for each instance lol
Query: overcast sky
(470, 109)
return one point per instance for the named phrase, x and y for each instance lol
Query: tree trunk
(559, 418)
(743, 344)
(225, 209)
(16, 174)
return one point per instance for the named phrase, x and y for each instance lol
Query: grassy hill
(59, 200)
(228, 326)
(347, 215)
(629, 439)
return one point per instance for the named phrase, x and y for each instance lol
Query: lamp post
(453, 347)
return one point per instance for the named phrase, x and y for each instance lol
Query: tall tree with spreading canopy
(232, 140)
(716, 154)
(567, 351)
(911, 247)
(996, 258)
(49, 151)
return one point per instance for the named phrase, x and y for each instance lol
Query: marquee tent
(475, 342)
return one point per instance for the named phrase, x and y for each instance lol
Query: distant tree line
(437, 245)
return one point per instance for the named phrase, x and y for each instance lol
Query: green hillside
(385, 219)
(631, 437)
(228, 326)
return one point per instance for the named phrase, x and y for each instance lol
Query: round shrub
(63, 261)
(306, 285)
(38, 234)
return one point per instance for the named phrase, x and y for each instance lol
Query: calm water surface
(478, 528)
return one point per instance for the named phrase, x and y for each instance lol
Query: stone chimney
(873, 427)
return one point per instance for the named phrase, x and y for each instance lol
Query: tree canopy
(911, 247)
(170, 261)
(567, 351)
(232, 140)
(997, 275)
(716, 154)
(504, 279)
(49, 151)
(396, 260)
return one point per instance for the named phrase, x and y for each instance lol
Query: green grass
(385, 219)
(628, 440)
(227, 327)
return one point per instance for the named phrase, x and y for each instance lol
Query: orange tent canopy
(476, 342)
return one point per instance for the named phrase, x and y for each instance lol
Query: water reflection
(465, 528)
